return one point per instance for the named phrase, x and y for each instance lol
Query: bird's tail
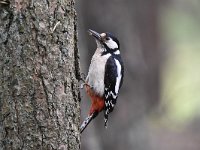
(87, 121)
(106, 118)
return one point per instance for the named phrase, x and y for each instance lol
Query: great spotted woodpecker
(105, 76)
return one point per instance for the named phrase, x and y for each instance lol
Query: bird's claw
(85, 84)
(82, 85)
(82, 77)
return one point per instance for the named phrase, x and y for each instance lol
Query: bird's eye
(107, 38)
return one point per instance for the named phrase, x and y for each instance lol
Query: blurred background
(159, 104)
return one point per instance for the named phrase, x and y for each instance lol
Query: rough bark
(39, 72)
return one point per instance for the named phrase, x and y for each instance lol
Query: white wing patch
(111, 44)
(111, 94)
(119, 76)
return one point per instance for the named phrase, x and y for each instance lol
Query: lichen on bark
(39, 73)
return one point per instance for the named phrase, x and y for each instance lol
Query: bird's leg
(84, 84)
(83, 79)
(87, 121)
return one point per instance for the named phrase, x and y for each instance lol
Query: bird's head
(105, 40)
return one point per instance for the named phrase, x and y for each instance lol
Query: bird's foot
(84, 83)
(82, 79)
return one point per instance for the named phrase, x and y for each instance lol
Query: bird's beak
(95, 34)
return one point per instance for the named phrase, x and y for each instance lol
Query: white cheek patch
(111, 44)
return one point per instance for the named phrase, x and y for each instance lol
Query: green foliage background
(181, 72)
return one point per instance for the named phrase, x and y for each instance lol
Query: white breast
(96, 72)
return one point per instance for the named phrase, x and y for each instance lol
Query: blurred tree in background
(135, 23)
(158, 107)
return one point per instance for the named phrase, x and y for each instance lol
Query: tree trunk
(39, 72)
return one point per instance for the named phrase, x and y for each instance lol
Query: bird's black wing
(113, 80)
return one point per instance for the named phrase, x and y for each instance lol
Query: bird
(105, 76)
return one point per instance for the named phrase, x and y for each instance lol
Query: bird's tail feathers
(87, 121)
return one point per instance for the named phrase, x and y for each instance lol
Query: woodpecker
(105, 76)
